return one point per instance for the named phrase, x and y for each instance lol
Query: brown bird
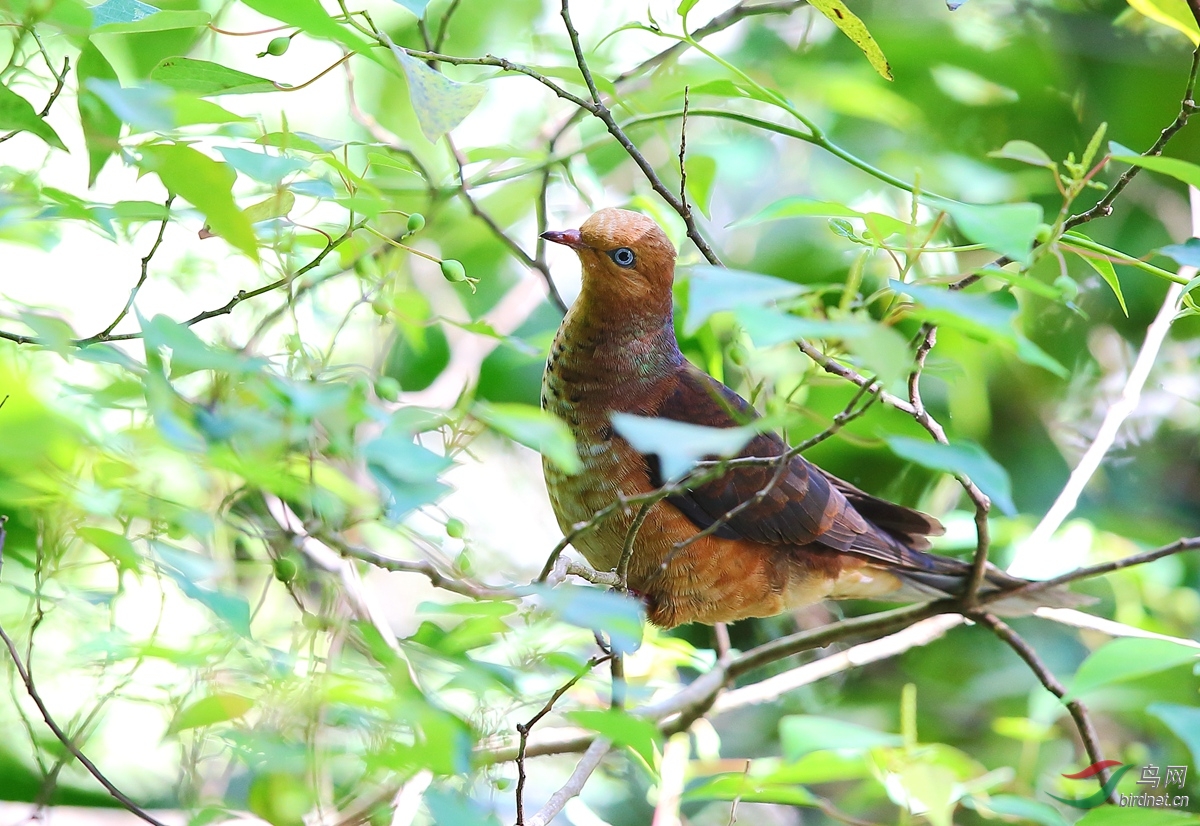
(812, 537)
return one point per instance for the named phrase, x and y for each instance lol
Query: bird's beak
(567, 237)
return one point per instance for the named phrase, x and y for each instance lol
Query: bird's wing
(805, 506)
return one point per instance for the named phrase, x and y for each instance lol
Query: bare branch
(574, 785)
(1079, 713)
(1187, 108)
(601, 111)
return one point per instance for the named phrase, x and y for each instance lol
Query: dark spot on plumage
(606, 433)
(575, 398)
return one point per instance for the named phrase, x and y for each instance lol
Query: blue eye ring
(623, 257)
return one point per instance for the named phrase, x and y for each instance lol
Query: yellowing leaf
(856, 30)
(1173, 13)
(440, 103)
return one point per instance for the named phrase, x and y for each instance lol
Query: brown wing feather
(805, 507)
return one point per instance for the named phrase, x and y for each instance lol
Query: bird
(811, 537)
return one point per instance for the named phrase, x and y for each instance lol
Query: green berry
(1043, 233)
(387, 388)
(453, 270)
(455, 528)
(381, 306)
(1068, 287)
(285, 569)
(737, 355)
(416, 222)
(278, 46)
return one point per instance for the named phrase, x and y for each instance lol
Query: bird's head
(626, 257)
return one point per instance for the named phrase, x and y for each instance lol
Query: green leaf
(1184, 722)
(1025, 152)
(1189, 173)
(115, 546)
(739, 786)
(185, 568)
(856, 30)
(969, 88)
(207, 185)
(701, 174)
(101, 128)
(966, 458)
(215, 708)
(1186, 254)
(804, 733)
(622, 728)
(533, 428)
(453, 808)
(796, 207)
(18, 115)
(1021, 807)
(202, 78)
(619, 616)
(1104, 268)
(685, 6)
(277, 206)
(882, 349)
(1005, 228)
(123, 16)
(264, 168)
(417, 7)
(189, 353)
(155, 108)
(713, 289)
(439, 102)
(679, 445)
(1136, 816)
(1127, 659)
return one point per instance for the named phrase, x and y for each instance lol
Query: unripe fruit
(381, 306)
(278, 46)
(1043, 233)
(387, 388)
(1068, 287)
(416, 222)
(285, 569)
(455, 528)
(453, 270)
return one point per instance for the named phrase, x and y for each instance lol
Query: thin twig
(133, 293)
(598, 108)
(523, 730)
(1187, 107)
(67, 742)
(1119, 411)
(1079, 713)
(225, 309)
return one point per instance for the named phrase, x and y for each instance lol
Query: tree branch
(1079, 713)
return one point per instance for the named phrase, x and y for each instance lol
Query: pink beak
(567, 237)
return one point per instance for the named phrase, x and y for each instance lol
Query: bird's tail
(946, 577)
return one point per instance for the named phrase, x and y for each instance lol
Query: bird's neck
(623, 342)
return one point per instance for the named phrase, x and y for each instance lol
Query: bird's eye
(622, 257)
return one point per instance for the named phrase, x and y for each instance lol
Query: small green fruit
(285, 569)
(1043, 233)
(387, 388)
(381, 306)
(455, 528)
(416, 222)
(737, 355)
(278, 46)
(1068, 287)
(453, 270)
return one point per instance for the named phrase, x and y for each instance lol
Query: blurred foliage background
(225, 501)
